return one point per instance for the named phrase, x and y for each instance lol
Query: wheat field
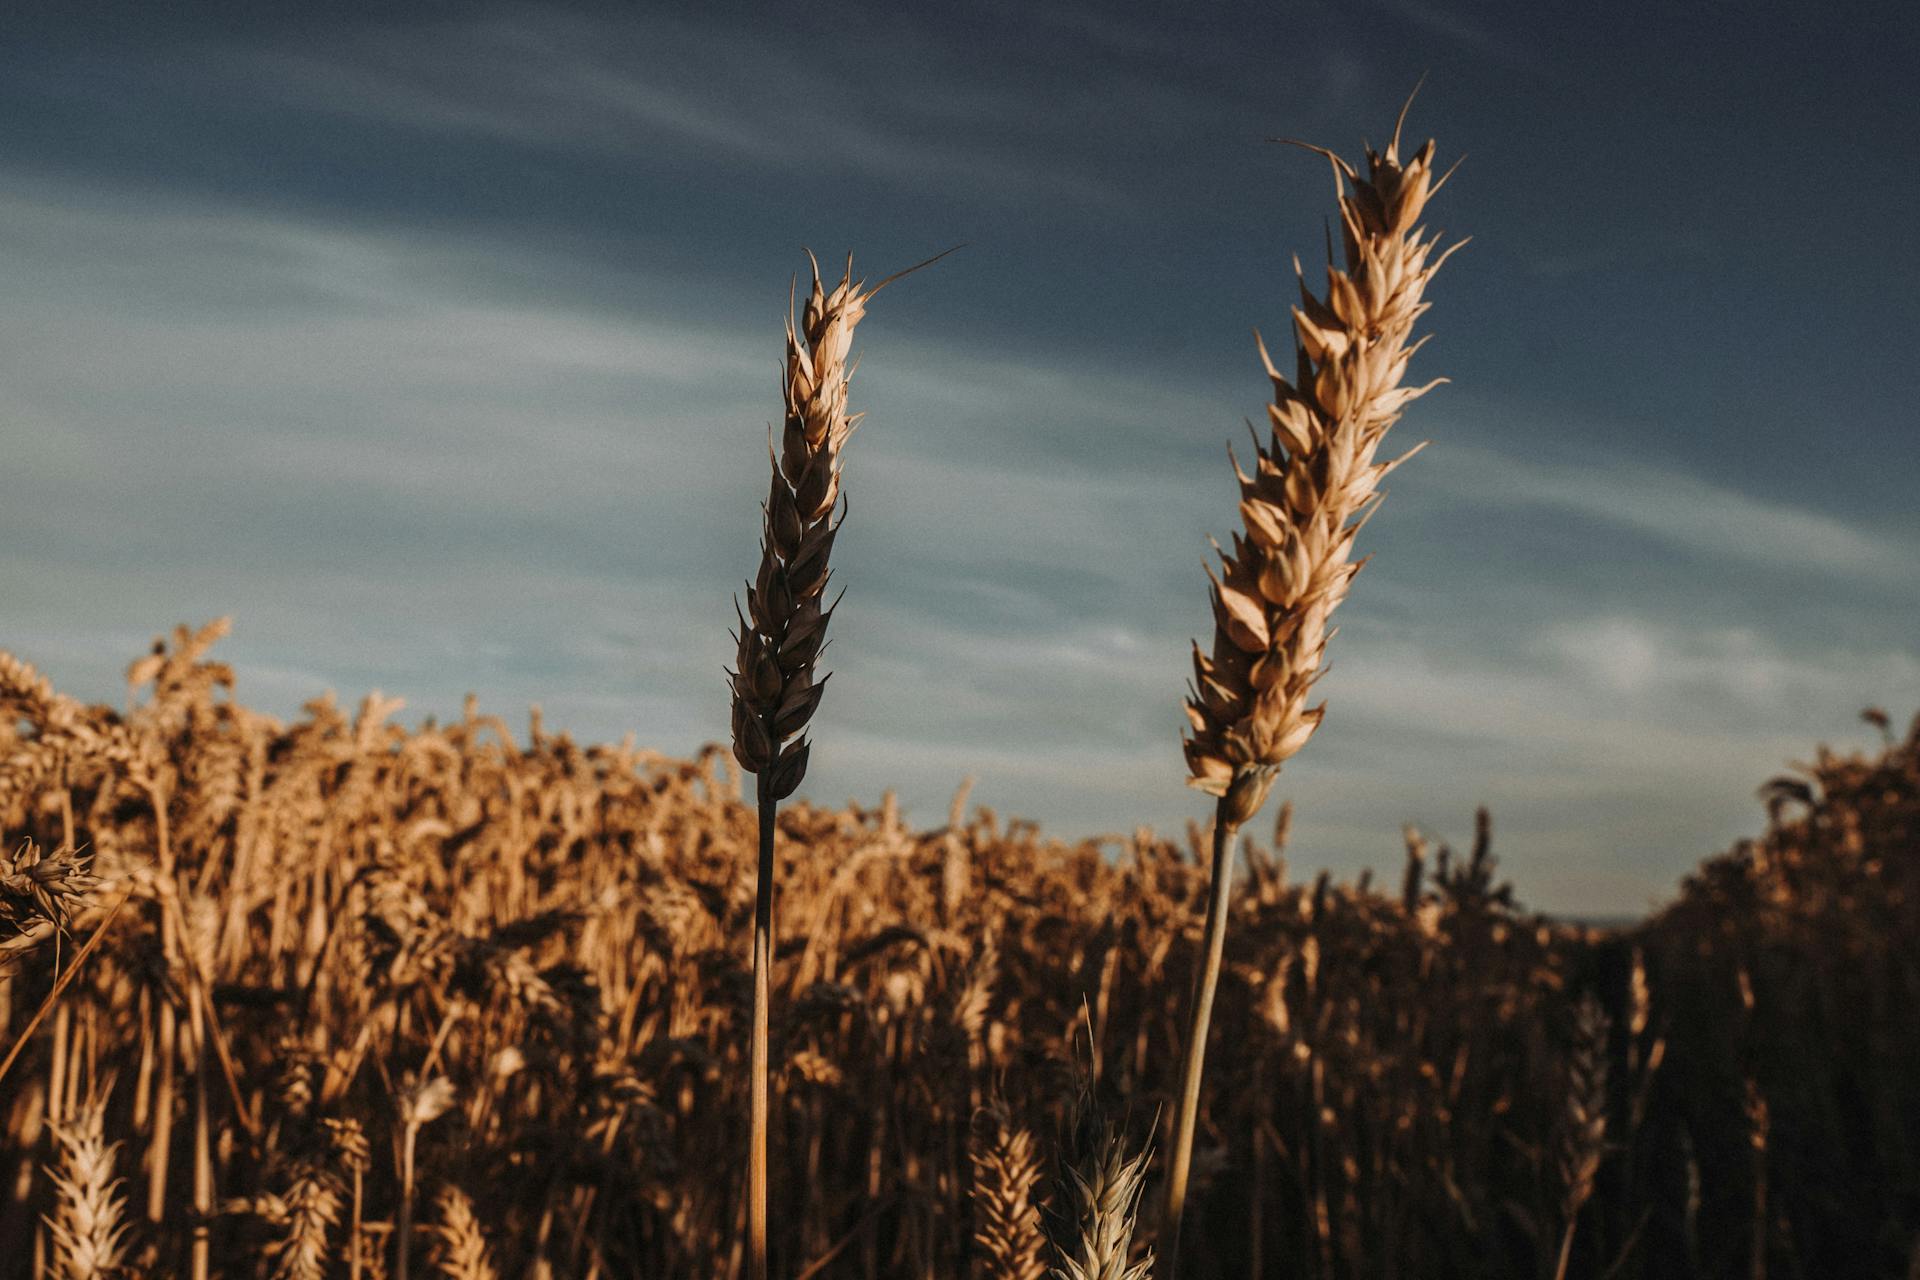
(334, 997)
(466, 1002)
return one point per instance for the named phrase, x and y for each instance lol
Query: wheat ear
(88, 1223)
(1006, 1171)
(1583, 1126)
(39, 888)
(460, 1252)
(784, 629)
(309, 1210)
(1311, 489)
(1099, 1201)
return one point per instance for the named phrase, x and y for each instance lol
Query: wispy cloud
(543, 79)
(1685, 510)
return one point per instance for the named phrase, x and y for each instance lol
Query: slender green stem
(1189, 1116)
(762, 1000)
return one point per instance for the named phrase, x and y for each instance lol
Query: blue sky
(437, 344)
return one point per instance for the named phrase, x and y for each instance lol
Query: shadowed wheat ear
(1097, 1207)
(1582, 1137)
(1006, 1173)
(784, 629)
(1312, 487)
(460, 1252)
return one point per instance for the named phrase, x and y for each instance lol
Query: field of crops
(348, 1000)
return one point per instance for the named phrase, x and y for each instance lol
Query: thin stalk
(160, 1141)
(1566, 1249)
(403, 1237)
(206, 1019)
(1189, 1114)
(1254, 1218)
(353, 1229)
(757, 1071)
(202, 1253)
(57, 1065)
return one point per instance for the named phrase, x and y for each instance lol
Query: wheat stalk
(784, 628)
(1311, 489)
(348, 1141)
(781, 634)
(1759, 1126)
(418, 1105)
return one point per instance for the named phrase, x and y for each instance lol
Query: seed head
(1313, 485)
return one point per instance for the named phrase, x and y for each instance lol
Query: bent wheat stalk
(1311, 490)
(783, 630)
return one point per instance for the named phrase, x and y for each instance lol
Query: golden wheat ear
(1581, 1137)
(1312, 486)
(784, 625)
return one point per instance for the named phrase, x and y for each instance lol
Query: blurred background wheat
(343, 1000)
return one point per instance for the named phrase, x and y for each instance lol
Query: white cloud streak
(1685, 510)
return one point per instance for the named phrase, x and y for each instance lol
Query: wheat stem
(403, 1236)
(1311, 489)
(1187, 1119)
(202, 1253)
(757, 1069)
